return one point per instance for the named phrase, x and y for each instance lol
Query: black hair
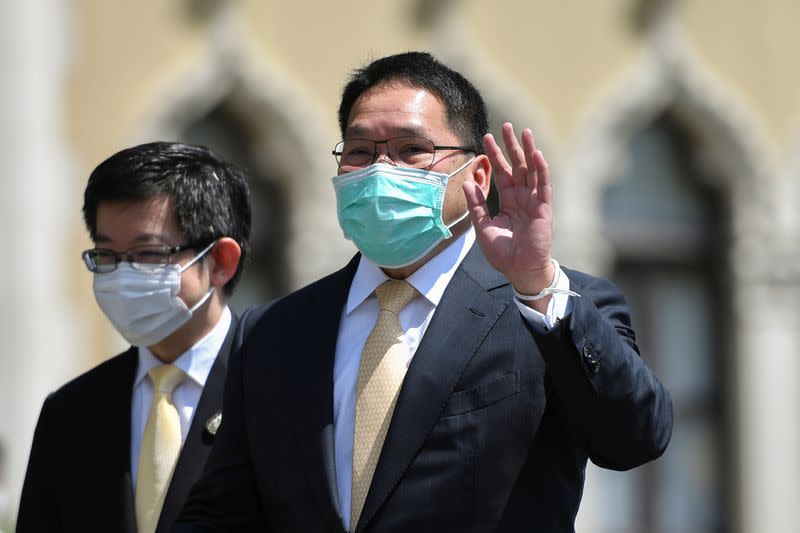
(210, 197)
(465, 109)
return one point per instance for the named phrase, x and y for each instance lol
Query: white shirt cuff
(560, 307)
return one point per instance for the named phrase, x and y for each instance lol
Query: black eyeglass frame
(125, 256)
(338, 153)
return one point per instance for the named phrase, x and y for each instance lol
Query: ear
(226, 254)
(482, 173)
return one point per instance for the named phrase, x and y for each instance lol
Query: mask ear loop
(459, 219)
(199, 256)
(202, 300)
(208, 294)
(462, 167)
(459, 169)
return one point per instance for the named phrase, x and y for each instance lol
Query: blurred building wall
(260, 80)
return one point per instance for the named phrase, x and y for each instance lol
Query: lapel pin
(212, 425)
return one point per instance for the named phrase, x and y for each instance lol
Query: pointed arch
(731, 144)
(286, 139)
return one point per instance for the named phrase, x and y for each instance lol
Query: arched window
(266, 274)
(670, 237)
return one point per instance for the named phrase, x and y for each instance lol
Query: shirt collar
(430, 280)
(197, 361)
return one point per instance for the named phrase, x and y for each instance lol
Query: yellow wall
(753, 47)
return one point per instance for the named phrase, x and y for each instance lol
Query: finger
(529, 148)
(502, 170)
(544, 188)
(515, 154)
(476, 203)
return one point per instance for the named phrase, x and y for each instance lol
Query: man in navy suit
(170, 223)
(502, 373)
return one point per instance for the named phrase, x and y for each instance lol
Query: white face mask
(144, 305)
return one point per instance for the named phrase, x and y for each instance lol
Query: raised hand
(518, 240)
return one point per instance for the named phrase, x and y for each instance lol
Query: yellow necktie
(161, 444)
(380, 375)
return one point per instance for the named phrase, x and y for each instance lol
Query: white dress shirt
(196, 362)
(358, 318)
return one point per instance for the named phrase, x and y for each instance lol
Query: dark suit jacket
(492, 428)
(79, 471)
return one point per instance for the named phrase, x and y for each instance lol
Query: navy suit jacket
(79, 472)
(492, 428)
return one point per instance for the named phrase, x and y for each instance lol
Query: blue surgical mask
(393, 214)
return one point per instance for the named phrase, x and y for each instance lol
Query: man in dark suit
(118, 448)
(452, 377)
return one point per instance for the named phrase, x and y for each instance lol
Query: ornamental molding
(669, 76)
(287, 138)
(732, 143)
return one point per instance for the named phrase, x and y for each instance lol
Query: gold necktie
(380, 375)
(161, 444)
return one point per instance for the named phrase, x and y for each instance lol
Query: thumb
(476, 203)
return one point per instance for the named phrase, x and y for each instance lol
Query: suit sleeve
(226, 496)
(605, 394)
(38, 509)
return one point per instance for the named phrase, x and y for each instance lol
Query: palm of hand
(518, 238)
(517, 241)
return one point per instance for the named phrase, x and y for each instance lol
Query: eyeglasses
(415, 152)
(151, 257)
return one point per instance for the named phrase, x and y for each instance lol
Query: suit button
(590, 359)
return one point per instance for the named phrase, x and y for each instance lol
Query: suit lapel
(313, 371)
(195, 450)
(435, 371)
(112, 463)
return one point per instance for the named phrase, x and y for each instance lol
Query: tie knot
(166, 377)
(393, 295)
